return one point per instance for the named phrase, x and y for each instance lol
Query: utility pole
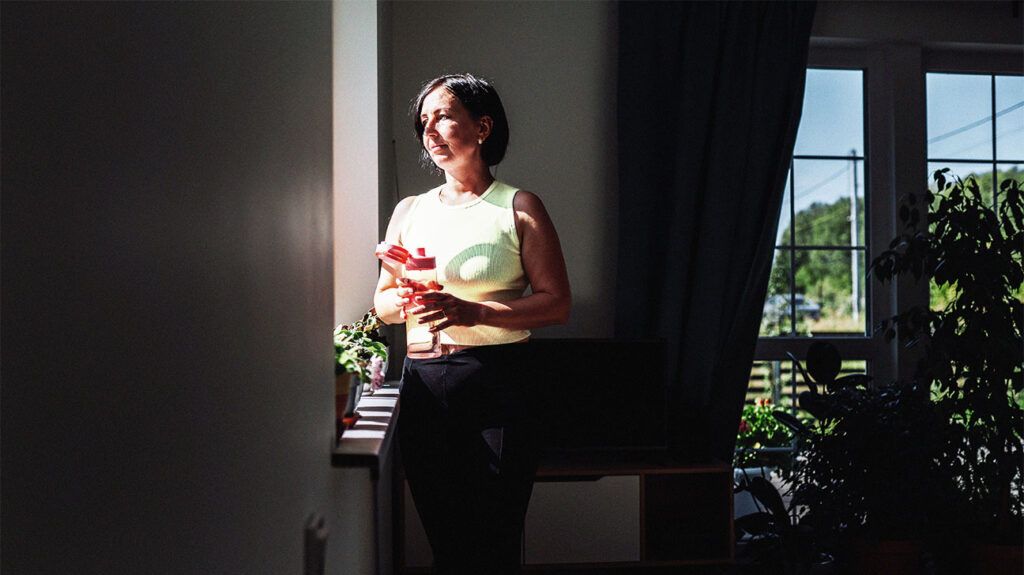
(854, 263)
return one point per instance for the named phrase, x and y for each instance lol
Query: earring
(480, 141)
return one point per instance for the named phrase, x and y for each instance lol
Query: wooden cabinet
(615, 513)
(630, 514)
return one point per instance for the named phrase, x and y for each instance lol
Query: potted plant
(762, 441)
(972, 345)
(763, 449)
(869, 471)
(780, 538)
(361, 357)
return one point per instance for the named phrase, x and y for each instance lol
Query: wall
(553, 64)
(358, 159)
(356, 153)
(930, 23)
(166, 293)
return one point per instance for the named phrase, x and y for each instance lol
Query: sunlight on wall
(355, 157)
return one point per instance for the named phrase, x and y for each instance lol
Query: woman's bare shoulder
(398, 216)
(404, 205)
(528, 203)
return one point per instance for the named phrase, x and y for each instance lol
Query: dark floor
(666, 570)
(681, 570)
(736, 569)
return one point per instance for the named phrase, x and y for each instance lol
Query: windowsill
(368, 442)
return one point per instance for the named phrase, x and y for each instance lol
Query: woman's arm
(389, 298)
(541, 254)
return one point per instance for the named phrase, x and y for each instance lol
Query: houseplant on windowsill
(361, 357)
(777, 539)
(972, 347)
(760, 433)
(763, 449)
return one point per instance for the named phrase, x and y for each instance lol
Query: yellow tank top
(476, 247)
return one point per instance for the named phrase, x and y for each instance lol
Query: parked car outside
(776, 307)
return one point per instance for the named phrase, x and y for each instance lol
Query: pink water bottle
(421, 343)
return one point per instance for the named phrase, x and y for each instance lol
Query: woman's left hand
(445, 309)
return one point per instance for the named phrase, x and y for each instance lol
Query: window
(874, 118)
(816, 283)
(975, 128)
(818, 288)
(828, 226)
(780, 382)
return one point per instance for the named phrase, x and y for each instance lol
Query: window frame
(878, 220)
(984, 62)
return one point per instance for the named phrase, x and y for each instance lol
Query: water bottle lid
(420, 260)
(394, 254)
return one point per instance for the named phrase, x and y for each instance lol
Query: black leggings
(469, 449)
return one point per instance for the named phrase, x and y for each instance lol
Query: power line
(818, 185)
(974, 124)
(985, 141)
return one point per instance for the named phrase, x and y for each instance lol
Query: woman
(467, 442)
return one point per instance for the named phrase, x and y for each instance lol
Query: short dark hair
(481, 99)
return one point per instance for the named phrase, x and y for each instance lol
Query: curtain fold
(709, 101)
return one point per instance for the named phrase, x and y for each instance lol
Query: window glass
(782, 235)
(1010, 118)
(777, 317)
(959, 108)
(832, 121)
(829, 292)
(829, 202)
(962, 111)
(781, 384)
(817, 281)
(981, 172)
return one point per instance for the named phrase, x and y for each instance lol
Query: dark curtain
(709, 100)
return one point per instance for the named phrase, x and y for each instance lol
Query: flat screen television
(600, 394)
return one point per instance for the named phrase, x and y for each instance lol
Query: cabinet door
(584, 521)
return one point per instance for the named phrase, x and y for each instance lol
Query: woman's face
(450, 133)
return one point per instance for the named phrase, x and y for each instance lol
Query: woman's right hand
(407, 288)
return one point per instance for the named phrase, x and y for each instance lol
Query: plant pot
(888, 556)
(992, 559)
(347, 390)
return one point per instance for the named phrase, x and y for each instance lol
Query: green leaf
(790, 421)
(769, 496)
(817, 405)
(807, 379)
(759, 523)
(853, 379)
(823, 362)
